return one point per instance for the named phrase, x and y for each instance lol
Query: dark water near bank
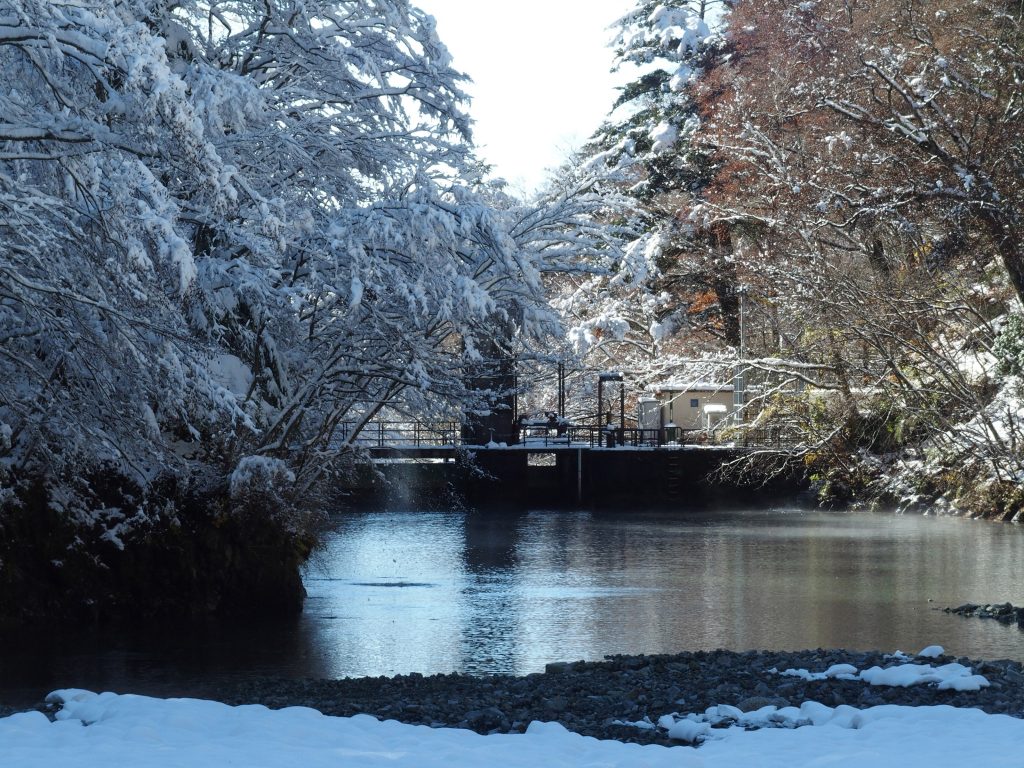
(398, 592)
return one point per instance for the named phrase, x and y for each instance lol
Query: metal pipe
(622, 413)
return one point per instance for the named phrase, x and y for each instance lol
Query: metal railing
(588, 436)
(406, 434)
(417, 434)
(769, 437)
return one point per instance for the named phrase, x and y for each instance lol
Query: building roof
(682, 386)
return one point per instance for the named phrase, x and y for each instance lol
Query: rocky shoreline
(597, 698)
(1004, 613)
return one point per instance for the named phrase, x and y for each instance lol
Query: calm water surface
(398, 592)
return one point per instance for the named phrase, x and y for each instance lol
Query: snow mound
(947, 677)
(954, 676)
(840, 671)
(100, 730)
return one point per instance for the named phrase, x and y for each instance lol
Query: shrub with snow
(1009, 346)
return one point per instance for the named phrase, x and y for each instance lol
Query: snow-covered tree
(666, 47)
(232, 232)
(864, 154)
(673, 298)
(257, 220)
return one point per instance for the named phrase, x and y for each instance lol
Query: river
(481, 592)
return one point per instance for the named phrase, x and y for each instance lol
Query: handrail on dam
(399, 435)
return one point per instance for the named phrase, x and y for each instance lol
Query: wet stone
(591, 698)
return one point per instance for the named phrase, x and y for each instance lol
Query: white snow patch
(840, 671)
(155, 733)
(355, 293)
(953, 676)
(231, 373)
(660, 331)
(689, 731)
(664, 136)
(259, 472)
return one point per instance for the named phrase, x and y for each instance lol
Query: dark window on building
(694, 402)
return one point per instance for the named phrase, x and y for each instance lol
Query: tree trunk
(1008, 244)
(725, 283)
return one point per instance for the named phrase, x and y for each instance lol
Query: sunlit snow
(94, 730)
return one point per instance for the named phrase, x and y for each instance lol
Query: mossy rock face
(192, 557)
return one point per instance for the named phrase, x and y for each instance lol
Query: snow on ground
(104, 730)
(948, 677)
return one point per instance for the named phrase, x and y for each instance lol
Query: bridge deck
(450, 452)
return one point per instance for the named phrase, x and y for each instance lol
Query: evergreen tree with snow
(651, 131)
(678, 296)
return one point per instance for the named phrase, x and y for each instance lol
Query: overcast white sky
(541, 75)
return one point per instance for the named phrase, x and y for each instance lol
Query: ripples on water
(507, 593)
(398, 592)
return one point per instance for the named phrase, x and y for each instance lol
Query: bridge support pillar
(579, 475)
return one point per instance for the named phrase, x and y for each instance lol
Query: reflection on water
(396, 592)
(508, 593)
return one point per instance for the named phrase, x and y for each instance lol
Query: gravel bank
(589, 697)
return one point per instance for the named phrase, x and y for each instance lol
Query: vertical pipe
(622, 413)
(515, 392)
(561, 390)
(739, 387)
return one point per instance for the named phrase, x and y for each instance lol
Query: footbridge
(553, 461)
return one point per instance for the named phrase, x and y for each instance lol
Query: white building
(688, 407)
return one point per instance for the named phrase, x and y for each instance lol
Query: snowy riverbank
(598, 698)
(111, 730)
(758, 707)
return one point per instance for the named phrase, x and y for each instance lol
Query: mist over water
(488, 592)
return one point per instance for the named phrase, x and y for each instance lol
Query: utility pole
(622, 413)
(739, 377)
(561, 390)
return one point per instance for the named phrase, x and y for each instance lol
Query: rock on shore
(1005, 613)
(596, 698)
